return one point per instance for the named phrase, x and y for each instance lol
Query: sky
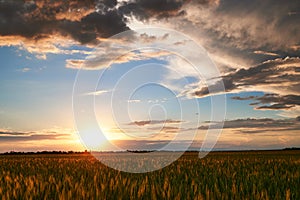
(140, 74)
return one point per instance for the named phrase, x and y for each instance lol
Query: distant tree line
(44, 152)
(292, 148)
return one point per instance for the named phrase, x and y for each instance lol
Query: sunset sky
(58, 57)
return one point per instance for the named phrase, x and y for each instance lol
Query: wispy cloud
(152, 122)
(7, 135)
(74, 64)
(266, 53)
(166, 129)
(97, 93)
(24, 70)
(134, 101)
(112, 52)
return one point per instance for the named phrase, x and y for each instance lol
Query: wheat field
(220, 175)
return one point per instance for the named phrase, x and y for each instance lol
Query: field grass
(220, 175)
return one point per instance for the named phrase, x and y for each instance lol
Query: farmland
(220, 175)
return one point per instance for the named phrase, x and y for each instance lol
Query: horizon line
(139, 151)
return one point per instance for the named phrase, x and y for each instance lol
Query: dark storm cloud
(272, 101)
(83, 21)
(250, 123)
(159, 9)
(287, 99)
(268, 73)
(279, 75)
(94, 25)
(259, 24)
(274, 107)
(12, 19)
(221, 85)
(145, 9)
(242, 33)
